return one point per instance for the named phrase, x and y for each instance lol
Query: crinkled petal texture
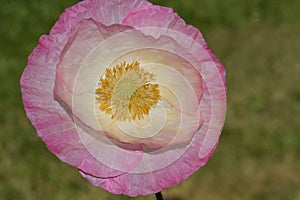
(134, 157)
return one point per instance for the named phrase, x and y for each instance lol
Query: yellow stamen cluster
(125, 92)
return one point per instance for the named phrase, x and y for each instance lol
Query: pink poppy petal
(103, 11)
(52, 122)
(114, 11)
(135, 184)
(162, 17)
(212, 71)
(88, 36)
(102, 56)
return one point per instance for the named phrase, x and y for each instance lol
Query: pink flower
(126, 92)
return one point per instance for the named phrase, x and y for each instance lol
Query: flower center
(125, 92)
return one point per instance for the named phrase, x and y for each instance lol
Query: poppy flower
(126, 92)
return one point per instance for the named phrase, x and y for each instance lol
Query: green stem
(159, 196)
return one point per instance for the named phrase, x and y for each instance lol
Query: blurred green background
(258, 41)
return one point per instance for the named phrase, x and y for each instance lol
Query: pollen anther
(126, 93)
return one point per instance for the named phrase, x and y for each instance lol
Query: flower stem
(159, 196)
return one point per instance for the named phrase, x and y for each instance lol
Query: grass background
(258, 155)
